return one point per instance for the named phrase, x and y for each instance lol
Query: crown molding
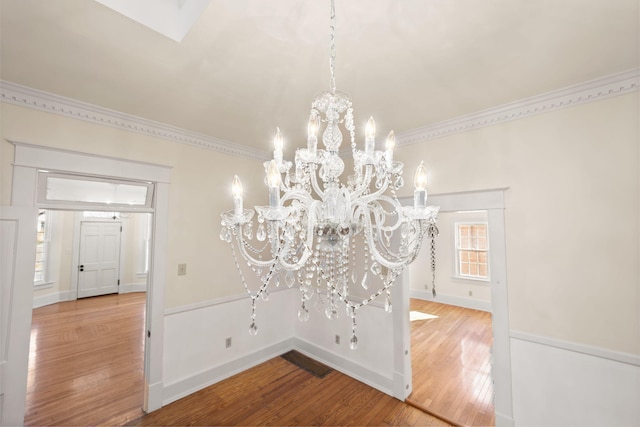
(594, 90)
(16, 94)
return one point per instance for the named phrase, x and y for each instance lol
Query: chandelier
(341, 243)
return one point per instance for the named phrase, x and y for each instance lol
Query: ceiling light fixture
(340, 243)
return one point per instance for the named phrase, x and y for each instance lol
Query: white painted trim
(186, 386)
(603, 353)
(61, 160)
(346, 366)
(452, 300)
(132, 287)
(215, 301)
(467, 200)
(491, 201)
(594, 90)
(28, 158)
(504, 420)
(23, 96)
(53, 298)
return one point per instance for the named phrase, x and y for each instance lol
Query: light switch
(182, 269)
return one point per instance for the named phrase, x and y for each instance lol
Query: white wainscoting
(452, 300)
(195, 355)
(559, 383)
(371, 363)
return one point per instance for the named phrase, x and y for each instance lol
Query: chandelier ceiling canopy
(342, 243)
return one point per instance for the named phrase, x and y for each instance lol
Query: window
(63, 190)
(43, 237)
(472, 251)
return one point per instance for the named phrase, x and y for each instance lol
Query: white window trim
(42, 200)
(456, 254)
(45, 282)
(143, 239)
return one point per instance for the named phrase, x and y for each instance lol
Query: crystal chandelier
(341, 243)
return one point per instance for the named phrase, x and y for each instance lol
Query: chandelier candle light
(331, 239)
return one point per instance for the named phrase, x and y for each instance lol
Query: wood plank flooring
(279, 393)
(451, 362)
(86, 362)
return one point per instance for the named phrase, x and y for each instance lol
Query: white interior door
(17, 266)
(99, 260)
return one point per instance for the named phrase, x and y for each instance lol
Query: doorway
(29, 159)
(87, 339)
(491, 201)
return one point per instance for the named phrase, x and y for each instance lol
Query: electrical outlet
(227, 342)
(182, 269)
(337, 339)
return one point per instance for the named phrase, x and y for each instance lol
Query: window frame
(43, 200)
(457, 252)
(45, 249)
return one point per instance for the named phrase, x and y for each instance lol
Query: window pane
(473, 248)
(78, 190)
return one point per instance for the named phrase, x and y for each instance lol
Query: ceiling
(247, 66)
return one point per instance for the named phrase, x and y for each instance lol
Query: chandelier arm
(397, 207)
(314, 182)
(378, 193)
(366, 182)
(297, 194)
(368, 235)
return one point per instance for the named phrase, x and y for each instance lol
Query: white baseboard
(132, 287)
(452, 300)
(504, 421)
(346, 366)
(60, 296)
(187, 386)
(52, 298)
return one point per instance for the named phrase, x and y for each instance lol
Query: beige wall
(572, 208)
(199, 191)
(572, 215)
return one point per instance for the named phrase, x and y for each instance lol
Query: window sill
(43, 285)
(478, 280)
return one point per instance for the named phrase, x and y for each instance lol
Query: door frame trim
(29, 158)
(493, 201)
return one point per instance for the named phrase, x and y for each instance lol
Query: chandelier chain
(332, 48)
(433, 233)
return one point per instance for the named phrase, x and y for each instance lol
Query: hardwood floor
(279, 393)
(86, 362)
(451, 361)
